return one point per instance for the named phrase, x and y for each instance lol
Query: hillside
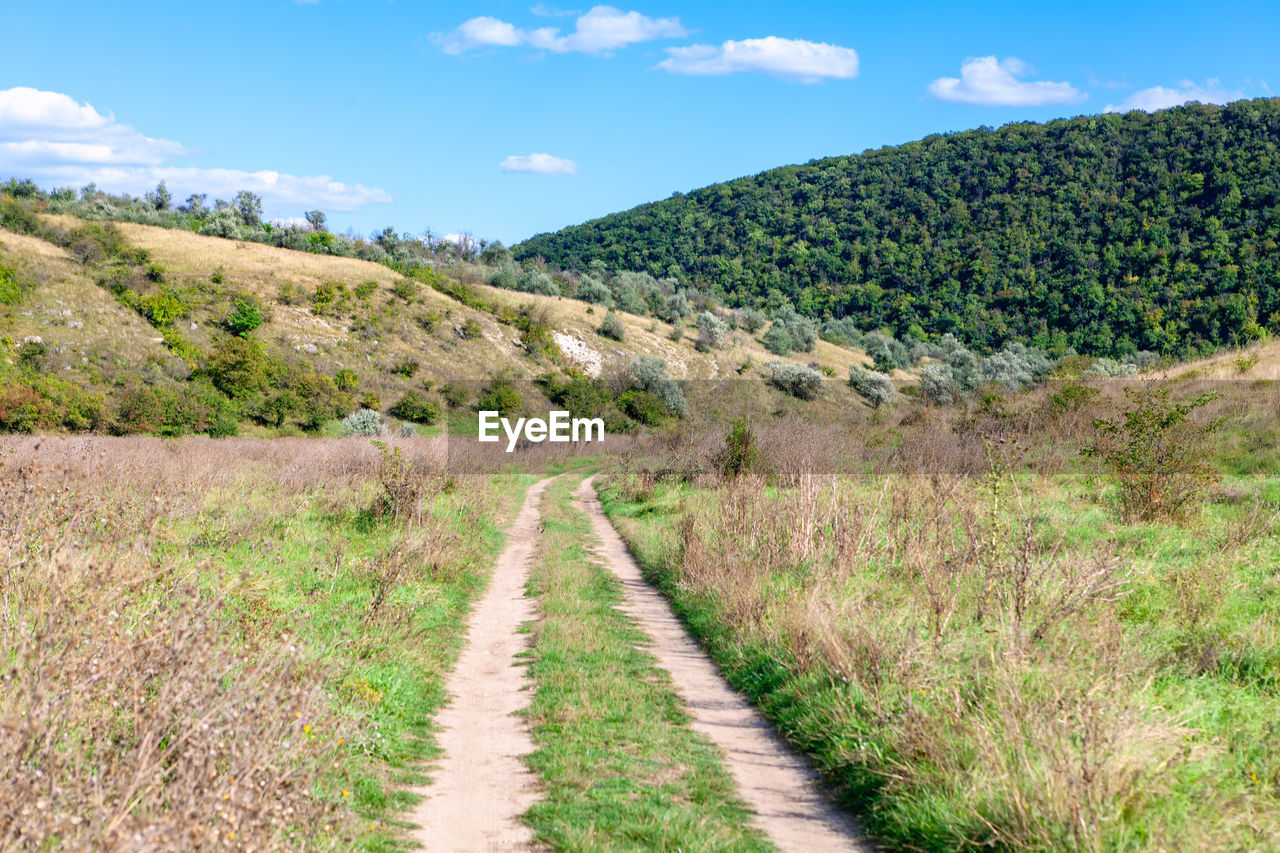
(133, 328)
(1109, 234)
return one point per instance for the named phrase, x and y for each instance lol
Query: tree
(195, 205)
(315, 220)
(249, 206)
(160, 198)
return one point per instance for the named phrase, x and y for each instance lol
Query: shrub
(778, 340)
(711, 331)
(611, 327)
(876, 388)
(245, 316)
(740, 453)
(12, 289)
(843, 332)
(346, 380)
(363, 422)
(1156, 455)
(595, 291)
(32, 355)
(650, 374)
(454, 395)
(887, 353)
(752, 320)
(536, 281)
(499, 395)
(643, 406)
(938, 384)
(414, 407)
(406, 368)
(365, 289)
(674, 308)
(802, 331)
(799, 381)
(677, 333)
(504, 277)
(405, 289)
(472, 330)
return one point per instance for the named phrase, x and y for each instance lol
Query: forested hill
(1107, 233)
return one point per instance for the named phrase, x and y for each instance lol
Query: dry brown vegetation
(154, 694)
(960, 625)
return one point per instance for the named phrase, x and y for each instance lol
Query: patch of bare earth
(482, 786)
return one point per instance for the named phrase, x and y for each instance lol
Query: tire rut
(777, 784)
(482, 785)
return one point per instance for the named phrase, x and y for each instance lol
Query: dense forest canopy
(1109, 234)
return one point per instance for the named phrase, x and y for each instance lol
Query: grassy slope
(622, 767)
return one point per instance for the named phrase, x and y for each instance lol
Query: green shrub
(799, 381)
(406, 368)
(711, 331)
(32, 355)
(499, 395)
(778, 340)
(365, 289)
(611, 327)
(472, 330)
(876, 388)
(740, 453)
(405, 289)
(1157, 457)
(12, 289)
(455, 395)
(650, 374)
(245, 316)
(363, 422)
(414, 407)
(752, 320)
(346, 380)
(643, 406)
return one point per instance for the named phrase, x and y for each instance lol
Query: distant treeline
(1108, 234)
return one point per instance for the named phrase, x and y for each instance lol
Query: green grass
(1223, 792)
(312, 570)
(622, 768)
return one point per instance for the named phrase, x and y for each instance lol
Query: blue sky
(503, 119)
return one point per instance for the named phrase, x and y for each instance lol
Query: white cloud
(600, 30)
(1159, 97)
(541, 164)
(806, 61)
(56, 141)
(986, 81)
(481, 32)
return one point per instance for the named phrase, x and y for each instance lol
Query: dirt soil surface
(482, 786)
(777, 784)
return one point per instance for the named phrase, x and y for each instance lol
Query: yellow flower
(345, 792)
(306, 730)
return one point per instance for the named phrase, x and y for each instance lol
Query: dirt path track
(481, 784)
(776, 783)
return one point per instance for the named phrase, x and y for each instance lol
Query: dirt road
(776, 783)
(481, 784)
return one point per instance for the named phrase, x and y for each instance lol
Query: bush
(752, 320)
(405, 289)
(406, 368)
(414, 407)
(938, 384)
(876, 388)
(596, 292)
(802, 331)
(799, 381)
(245, 316)
(500, 396)
(346, 380)
(504, 277)
(454, 395)
(472, 330)
(536, 281)
(778, 340)
(740, 453)
(1156, 455)
(643, 406)
(611, 327)
(363, 422)
(887, 353)
(711, 331)
(650, 374)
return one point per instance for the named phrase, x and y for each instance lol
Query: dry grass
(150, 702)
